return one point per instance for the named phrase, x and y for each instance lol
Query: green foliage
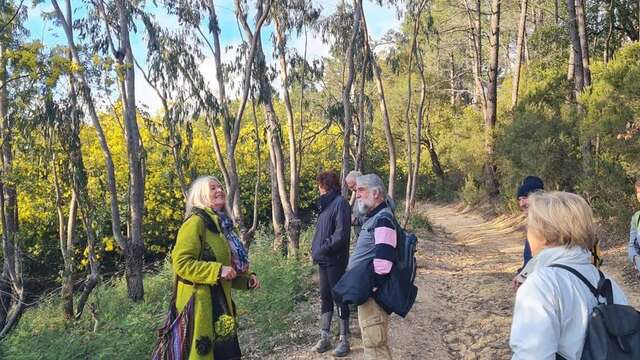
(126, 330)
(419, 221)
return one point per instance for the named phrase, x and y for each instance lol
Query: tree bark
(274, 142)
(67, 277)
(491, 178)
(346, 95)
(519, 46)
(293, 166)
(134, 257)
(452, 79)
(383, 106)
(11, 286)
(476, 44)
(607, 43)
(362, 124)
(578, 72)
(584, 41)
(411, 177)
(93, 115)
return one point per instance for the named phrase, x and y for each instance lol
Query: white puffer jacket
(553, 306)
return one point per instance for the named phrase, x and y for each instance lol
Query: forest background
(112, 108)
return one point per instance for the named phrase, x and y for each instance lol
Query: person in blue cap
(530, 184)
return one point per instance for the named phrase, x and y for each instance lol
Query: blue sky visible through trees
(380, 20)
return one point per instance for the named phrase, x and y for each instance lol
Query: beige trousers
(374, 323)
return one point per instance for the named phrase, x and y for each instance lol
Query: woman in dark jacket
(330, 250)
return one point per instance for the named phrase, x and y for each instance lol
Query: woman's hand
(254, 282)
(228, 273)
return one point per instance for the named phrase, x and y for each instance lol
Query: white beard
(363, 206)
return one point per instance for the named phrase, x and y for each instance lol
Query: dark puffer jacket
(330, 245)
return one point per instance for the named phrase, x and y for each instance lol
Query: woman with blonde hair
(552, 306)
(208, 261)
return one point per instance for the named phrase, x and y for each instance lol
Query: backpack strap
(575, 272)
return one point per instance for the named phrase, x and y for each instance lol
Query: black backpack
(398, 293)
(613, 331)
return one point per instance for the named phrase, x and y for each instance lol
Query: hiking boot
(343, 348)
(324, 344)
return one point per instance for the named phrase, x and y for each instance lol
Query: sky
(379, 21)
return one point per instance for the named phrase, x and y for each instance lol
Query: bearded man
(376, 244)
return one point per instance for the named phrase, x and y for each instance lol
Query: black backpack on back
(613, 331)
(398, 293)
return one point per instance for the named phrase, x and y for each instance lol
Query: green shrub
(126, 330)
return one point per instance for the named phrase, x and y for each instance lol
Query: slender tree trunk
(302, 85)
(134, 257)
(362, 124)
(93, 116)
(346, 94)
(423, 95)
(476, 42)
(408, 138)
(578, 72)
(274, 142)
(11, 287)
(607, 43)
(248, 235)
(519, 46)
(67, 277)
(277, 214)
(67, 246)
(491, 178)
(231, 127)
(584, 42)
(452, 79)
(293, 166)
(383, 106)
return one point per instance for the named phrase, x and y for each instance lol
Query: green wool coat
(186, 264)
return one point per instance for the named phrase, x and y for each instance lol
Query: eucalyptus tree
(170, 63)
(117, 18)
(263, 79)
(207, 30)
(13, 74)
(290, 17)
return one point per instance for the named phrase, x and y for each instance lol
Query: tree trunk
(67, 256)
(346, 95)
(93, 115)
(584, 42)
(247, 236)
(292, 223)
(134, 260)
(408, 138)
(519, 46)
(231, 126)
(277, 214)
(11, 287)
(362, 124)
(67, 276)
(476, 44)
(490, 169)
(293, 166)
(578, 72)
(607, 43)
(383, 106)
(452, 79)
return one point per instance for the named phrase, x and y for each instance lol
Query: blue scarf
(239, 256)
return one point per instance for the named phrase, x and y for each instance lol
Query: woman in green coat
(203, 258)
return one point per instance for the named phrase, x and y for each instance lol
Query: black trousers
(329, 276)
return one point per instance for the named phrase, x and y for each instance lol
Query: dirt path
(465, 301)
